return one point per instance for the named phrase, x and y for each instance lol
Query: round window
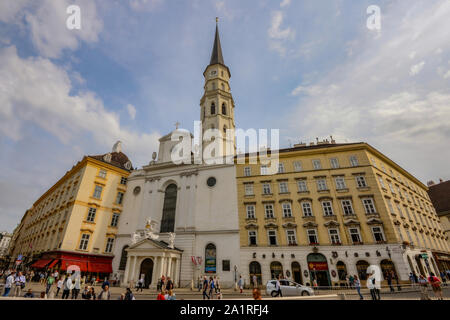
(211, 182)
(137, 190)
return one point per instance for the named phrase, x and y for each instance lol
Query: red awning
(51, 265)
(100, 267)
(65, 263)
(40, 264)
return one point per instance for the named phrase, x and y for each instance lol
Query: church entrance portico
(152, 259)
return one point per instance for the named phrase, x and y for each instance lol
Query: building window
(302, 186)
(287, 210)
(327, 208)
(102, 173)
(283, 187)
(247, 171)
(84, 241)
(297, 166)
(378, 234)
(109, 245)
(312, 236)
(347, 207)
(369, 205)
(322, 185)
(374, 163)
(334, 163)
(115, 220)
(281, 168)
(91, 215)
(123, 181)
(361, 182)
(340, 183)
(119, 198)
(354, 235)
(266, 188)
(213, 108)
(169, 208)
(316, 164)
(248, 189)
(354, 161)
(264, 170)
(334, 236)
(272, 235)
(268, 209)
(250, 212)
(252, 238)
(210, 258)
(123, 258)
(390, 206)
(380, 179)
(307, 209)
(391, 187)
(98, 192)
(224, 107)
(291, 237)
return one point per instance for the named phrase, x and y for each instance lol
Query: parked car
(288, 288)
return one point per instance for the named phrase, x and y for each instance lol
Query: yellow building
(331, 211)
(75, 222)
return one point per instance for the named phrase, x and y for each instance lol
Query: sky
(309, 68)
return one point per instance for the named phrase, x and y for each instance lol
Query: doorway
(296, 272)
(147, 271)
(318, 269)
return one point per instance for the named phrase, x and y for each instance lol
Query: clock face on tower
(213, 73)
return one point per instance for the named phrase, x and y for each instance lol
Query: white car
(288, 289)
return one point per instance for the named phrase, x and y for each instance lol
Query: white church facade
(181, 221)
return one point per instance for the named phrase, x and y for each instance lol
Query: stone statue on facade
(171, 240)
(149, 230)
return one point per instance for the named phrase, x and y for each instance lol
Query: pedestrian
(67, 287)
(76, 287)
(388, 277)
(105, 283)
(205, 288)
(166, 294)
(92, 294)
(169, 284)
(20, 282)
(219, 294)
(255, 281)
(29, 294)
(50, 281)
(59, 285)
(412, 280)
(394, 276)
(94, 281)
(215, 284)
(278, 288)
(357, 284)
(373, 287)
(163, 281)
(199, 283)
(211, 287)
(9, 282)
(171, 295)
(256, 294)
(141, 284)
(86, 293)
(444, 279)
(241, 284)
(42, 278)
(423, 283)
(105, 294)
(160, 295)
(129, 295)
(435, 285)
(351, 280)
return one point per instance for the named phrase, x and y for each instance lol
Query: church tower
(217, 105)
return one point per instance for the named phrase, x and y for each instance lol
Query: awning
(40, 264)
(51, 265)
(65, 263)
(100, 267)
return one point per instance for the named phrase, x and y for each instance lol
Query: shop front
(318, 269)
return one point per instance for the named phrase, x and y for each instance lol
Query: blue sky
(310, 68)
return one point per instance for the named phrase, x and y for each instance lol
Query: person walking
(9, 283)
(20, 282)
(141, 284)
(105, 294)
(169, 284)
(278, 288)
(67, 287)
(241, 284)
(357, 285)
(412, 279)
(205, 288)
(374, 287)
(444, 279)
(129, 295)
(351, 280)
(388, 277)
(211, 287)
(423, 283)
(59, 285)
(435, 285)
(76, 287)
(50, 281)
(255, 281)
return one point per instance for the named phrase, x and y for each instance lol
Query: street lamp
(235, 277)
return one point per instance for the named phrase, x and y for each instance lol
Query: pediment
(350, 222)
(331, 223)
(149, 244)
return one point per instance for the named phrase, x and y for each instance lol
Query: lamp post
(235, 278)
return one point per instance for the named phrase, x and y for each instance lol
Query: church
(181, 221)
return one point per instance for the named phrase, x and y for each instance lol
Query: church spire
(216, 56)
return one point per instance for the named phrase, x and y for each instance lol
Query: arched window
(170, 204)
(213, 108)
(123, 258)
(342, 270)
(361, 267)
(224, 109)
(210, 258)
(387, 266)
(276, 269)
(255, 270)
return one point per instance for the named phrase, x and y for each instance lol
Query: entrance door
(296, 272)
(255, 270)
(276, 269)
(147, 271)
(318, 267)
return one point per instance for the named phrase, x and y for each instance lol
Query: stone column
(127, 270)
(133, 270)
(169, 267)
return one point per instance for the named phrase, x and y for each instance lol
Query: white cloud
(145, 5)
(447, 75)
(131, 111)
(278, 36)
(36, 91)
(415, 69)
(285, 3)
